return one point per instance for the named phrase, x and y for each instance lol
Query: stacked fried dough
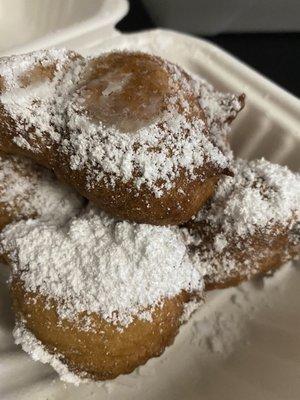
(100, 287)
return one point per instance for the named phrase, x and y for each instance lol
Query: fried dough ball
(29, 91)
(99, 295)
(250, 227)
(137, 144)
(30, 191)
(102, 351)
(125, 129)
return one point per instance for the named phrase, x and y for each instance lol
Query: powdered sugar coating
(260, 195)
(220, 109)
(12, 68)
(30, 87)
(27, 190)
(32, 346)
(96, 264)
(154, 155)
(111, 155)
(253, 216)
(173, 142)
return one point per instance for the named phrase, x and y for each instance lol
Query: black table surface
(275, 55)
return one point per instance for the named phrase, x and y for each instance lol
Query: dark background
(275, 55)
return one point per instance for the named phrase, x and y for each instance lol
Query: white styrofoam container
(27, 25)
(244, 342)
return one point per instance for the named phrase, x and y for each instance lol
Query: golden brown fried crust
(104, 352)
(142, 206)
(13, 212)
(256, 255)
(8, 131)
(125, 109)
(267, 266)
(139, 102)
(8, 125)
(143, 96)
(9, 214)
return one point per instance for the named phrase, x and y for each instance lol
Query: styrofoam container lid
(33, 24)
(244, 342)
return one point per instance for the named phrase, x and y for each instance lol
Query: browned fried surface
(250, 226)
(143, 206)
(128, 91)
(254, 256)
(11, 208)
(40, 147)
(139, 89)
(28, 191)
(142, 91)
(102, 352)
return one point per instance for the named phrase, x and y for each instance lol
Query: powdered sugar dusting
(260, 195)
(131, 157)
(32, 346)
(28, 190)
(155, 154)
(261, 199)
(220, 109)
(13, 68)
(32, 87)
(189, 309)
(95, 264)
(29, 107)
